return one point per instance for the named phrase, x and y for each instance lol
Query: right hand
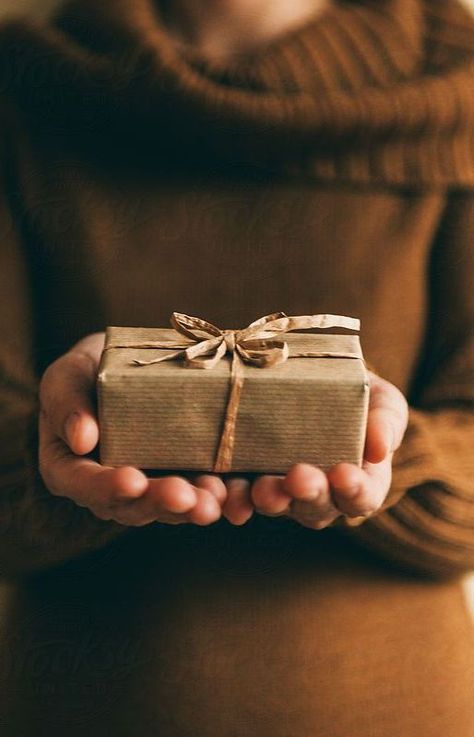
(69, 431)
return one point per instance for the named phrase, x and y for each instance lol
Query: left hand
(314, 498)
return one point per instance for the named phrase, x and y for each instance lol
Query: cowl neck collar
(369, 91)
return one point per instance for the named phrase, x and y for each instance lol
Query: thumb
(66, 396)
(387, 420)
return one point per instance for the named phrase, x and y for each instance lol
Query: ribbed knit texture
(332, 171)
(375, 93)
(368, 92)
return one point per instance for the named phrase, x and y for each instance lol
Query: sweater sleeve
(427, 521)
(37, 529)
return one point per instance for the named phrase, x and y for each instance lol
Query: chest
(130, 251)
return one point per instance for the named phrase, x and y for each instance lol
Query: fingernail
(71, 426)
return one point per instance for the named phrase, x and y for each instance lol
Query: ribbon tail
(325, 354)
(225, 451)
(168, 357)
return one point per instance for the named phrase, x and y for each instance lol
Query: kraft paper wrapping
(168, 416)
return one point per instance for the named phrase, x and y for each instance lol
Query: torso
(266, 630)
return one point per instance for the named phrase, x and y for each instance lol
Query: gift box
(272, 395)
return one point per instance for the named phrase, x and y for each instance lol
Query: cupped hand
(314, 498)
(69, 433)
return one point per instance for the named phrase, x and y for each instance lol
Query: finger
(81, 432)
(387, 419)
(206, 510)
(135, 517)
(171, 494)
(66, 393)
(269, 496)
(305, 482)
(154, 507)
(360, 491)
(238, 507)
(379, 438)
(306, 514)
(212, 483)
(124, 494)
(312, 503)
(168, 499)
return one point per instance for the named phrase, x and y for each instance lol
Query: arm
(412, 500)
(427, 522)
(36, 529)
(56, 502)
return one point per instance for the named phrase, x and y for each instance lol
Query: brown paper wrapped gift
(271, 396)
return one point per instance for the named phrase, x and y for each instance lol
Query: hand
(69, 431)
(314, 498)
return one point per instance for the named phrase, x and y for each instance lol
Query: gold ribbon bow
(257, 345)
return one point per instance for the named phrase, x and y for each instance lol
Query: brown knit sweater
(331, 171)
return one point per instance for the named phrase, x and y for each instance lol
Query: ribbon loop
(263, 353)
(186, 325)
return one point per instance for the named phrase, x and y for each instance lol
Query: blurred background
(40, 9)
(36, 7)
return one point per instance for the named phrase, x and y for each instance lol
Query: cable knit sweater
(330, 171)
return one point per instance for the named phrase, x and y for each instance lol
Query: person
(230, 159)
